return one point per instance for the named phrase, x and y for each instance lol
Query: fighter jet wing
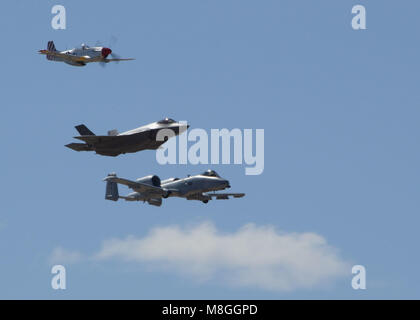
(210, 196)
(224, 196)
(137, 186)
(69, 57)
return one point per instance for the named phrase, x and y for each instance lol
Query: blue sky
(339, 107)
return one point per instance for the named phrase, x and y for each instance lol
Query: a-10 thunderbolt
(79, 57)
(114, 144)
(151, 189)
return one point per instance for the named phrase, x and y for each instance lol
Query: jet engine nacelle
(155, 202)
(150, 180)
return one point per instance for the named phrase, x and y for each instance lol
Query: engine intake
(152, 180)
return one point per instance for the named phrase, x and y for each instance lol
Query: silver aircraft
(200, 187)
(79, 57)
(114, 144)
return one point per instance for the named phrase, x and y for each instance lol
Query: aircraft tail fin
(51, 48)
(84, 131)
(111, 192)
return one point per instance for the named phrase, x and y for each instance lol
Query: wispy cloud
(63, 256)
(252, 256)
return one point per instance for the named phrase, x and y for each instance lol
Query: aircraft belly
(190, 193)
(109, 153)
(137, 143)
(119, 146)
(74, 63)
(147, 140)
(186, 191)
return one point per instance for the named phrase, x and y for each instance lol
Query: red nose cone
(106, 52)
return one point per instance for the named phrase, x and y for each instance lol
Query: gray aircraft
(114, 144)
(200, 187)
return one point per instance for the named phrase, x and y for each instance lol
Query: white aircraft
(80, 56)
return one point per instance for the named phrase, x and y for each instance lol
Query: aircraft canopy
(166, 121)
(210, 173)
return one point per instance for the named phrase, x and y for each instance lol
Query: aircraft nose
(182, 127)
(106, 52)
(226, 183)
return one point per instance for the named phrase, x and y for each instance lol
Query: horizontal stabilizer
(79, 146)
(238, 195)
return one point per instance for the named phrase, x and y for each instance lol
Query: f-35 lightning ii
(114, 144)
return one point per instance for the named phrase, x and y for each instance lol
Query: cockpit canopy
(210, 173)
(166, 121)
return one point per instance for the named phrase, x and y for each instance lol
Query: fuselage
(95, 54)
(92, 54)
(159, 125)
(186, 187)
(141, 138)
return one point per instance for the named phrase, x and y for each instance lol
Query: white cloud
(63, 256)
(252, 256)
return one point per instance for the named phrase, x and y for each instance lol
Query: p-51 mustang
(79, 57)
(114, 144)
(151, 189)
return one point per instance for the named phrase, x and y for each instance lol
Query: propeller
(107, 53)
(115, 56)
(111, 43)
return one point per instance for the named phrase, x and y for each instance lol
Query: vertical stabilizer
(111, 192)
